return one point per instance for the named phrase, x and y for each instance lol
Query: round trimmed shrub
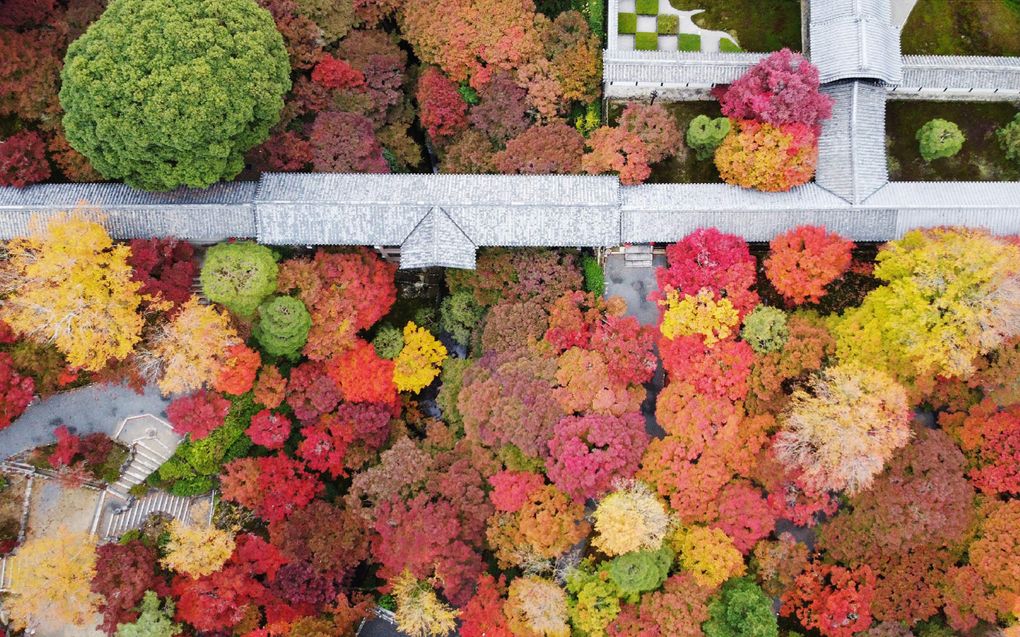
(640, 571)
(740, 609)
(704, 134)
(239, 276)
(168, 93)
(765, 329)
(388, 342)
(283, 325)
(939, 138)
(1009, 139)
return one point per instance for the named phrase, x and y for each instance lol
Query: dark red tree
(333, 73)
(16, 391)
(123, 573)
(197, 414)
(502, 110)
(310, 392)
(442, 110)
(165, 267)
(23, 160)
(543, 150)
(346, 143)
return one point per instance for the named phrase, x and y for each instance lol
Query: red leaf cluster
(311, 392)
(67, 447)
(164, 267)
(511, 489)
(804, 260)
(272, 486)
(269, 429)
(483, 615)
(345, 142)
(781, 89)
(587, 453)
(336, 74)
(237, 374)
(990, 436)
(123, 573)
(16, 391)
(23, 159)
(707, 258)
(197, 414)
(442, 110)
(550, 149)
(834, 600)
(617, 151)
(325, 444)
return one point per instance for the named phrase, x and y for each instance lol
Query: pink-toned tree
(707, 258)
(311, 392)
(781, 89)
(269, 429)
(587, 453)
(551, 149)
(511, 489)
(345, 142)
(656, 128)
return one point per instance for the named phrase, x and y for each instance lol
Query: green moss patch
(627, 23)
(759, 25)
(689, 42)
(668, 24)
(648, 7)
(646, 41)
(727, 45)
(963, 27)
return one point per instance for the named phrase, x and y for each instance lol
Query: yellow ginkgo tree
(51, 581)
(69, 284)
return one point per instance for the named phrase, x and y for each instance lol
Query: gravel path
(96, 408)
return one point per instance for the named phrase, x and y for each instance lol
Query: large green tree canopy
(164, 93)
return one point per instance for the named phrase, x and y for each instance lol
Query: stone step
(5, 573)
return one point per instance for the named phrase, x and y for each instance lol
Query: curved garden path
(96, 408)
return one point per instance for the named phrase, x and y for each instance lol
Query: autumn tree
(238, 276)
(483, 615)
(767, 157)
(656, 128)
(536, 606)
(124, 572)
(188, 351)
(333, 73)
(51, 580)
(346, 142)
(334, 18)
(551, 149)
(842, 434)
(197, 414)
(418, 363)
(23, 160)
(950, 294)
(282, 326)
(631, 518)
(502, 109)
(197, 551)
(990, 436)
(343, 291)
(330, 539)
(804, 260)
(420, 613)
(781, 89)
(443, 111)
(834, 600)
(164, 267)
(69, 284)
(588, 453)
(237, 371)
(679, 608)
(709, 555)
(707, 258)
(618, 151)
(16, 391)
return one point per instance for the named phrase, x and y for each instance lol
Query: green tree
(1009, 139)
(154, 621)
(165, 93)
(239, 276)
(704, 134)
(640, 571)
(282, 327)
(939, 138)
(460, 314)
(388, 342)
(740, 609)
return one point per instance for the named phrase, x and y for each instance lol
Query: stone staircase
(147, 456)
(638, 255)
(155, 502)
(6, 573)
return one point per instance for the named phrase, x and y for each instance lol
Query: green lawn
(963, 27)
(685, 169)
(759, 25)
(981, 159)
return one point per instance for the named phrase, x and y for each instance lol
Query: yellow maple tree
(69, 284)
(698, 314)
(420, 613)
(708, 554)
(51, 581)
(419, 362)
(189, 351)
(197, 550)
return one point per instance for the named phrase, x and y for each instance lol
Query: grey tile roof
(854, 39)
(991, 205)
(668, 212)
(437, 242)
(851, 151)
(675, 69)
(216, 213)
(960, 72)
(491, 210)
